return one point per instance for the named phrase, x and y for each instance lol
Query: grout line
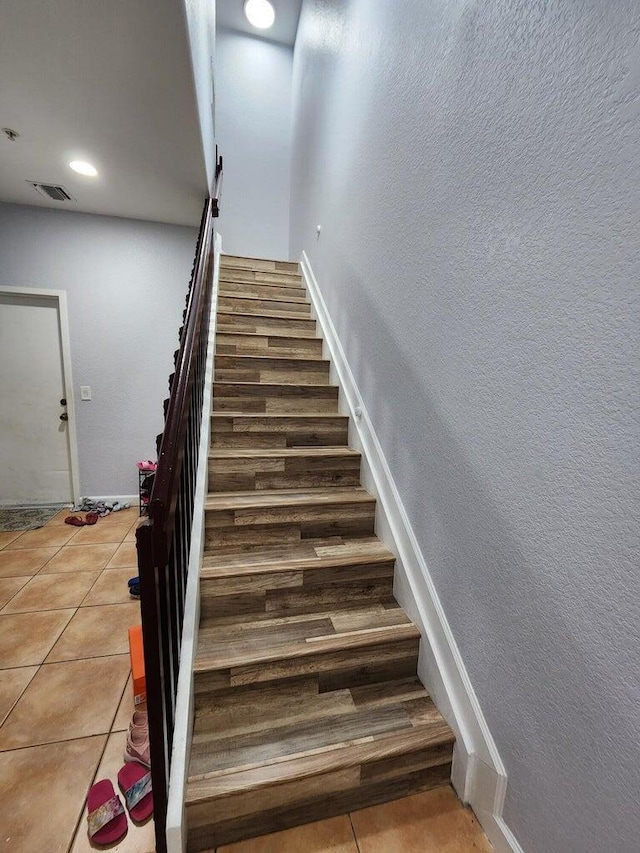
(355, 837)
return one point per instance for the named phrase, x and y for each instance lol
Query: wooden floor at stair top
(307, 702)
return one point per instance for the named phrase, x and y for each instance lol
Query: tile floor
(432, 822)
(66, 701)
(65, 693)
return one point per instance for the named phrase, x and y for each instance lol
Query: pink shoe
(139, 721)
(137, 748)
(147, 465)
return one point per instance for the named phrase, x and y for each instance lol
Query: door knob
(64, 416)
(63, 402)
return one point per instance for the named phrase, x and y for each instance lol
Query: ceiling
(108, 82)
(230, 14)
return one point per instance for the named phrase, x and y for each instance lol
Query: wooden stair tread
(276, 453)
(286, 497)
(275, 333)
(234, 294)
(289, 360)
(281, 416)
(211, 650)
(312, 554)
(290, 282)
(270, 315)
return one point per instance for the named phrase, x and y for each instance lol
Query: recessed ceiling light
(83, 168)
(260, 13)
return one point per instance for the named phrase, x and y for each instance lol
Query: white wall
(253, 130)
(475, 168)
(126, 282)
(200, 16)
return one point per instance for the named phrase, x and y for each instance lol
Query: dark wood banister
(163, 540)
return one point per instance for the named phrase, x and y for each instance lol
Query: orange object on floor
(136, 654)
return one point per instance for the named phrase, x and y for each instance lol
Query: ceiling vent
(55, 192)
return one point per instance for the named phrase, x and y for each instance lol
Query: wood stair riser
(308, 471)
(279, 525)
(241, 262)
(283, 399)
(264, 307)
(281, 431)
(304, 591)
(271, 369)
(283, 279)
(249, 344)
(316, 798)
(263, 290)
(342, 669)
(239, 321)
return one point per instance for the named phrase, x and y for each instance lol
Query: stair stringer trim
(176, 825)
(478, 774)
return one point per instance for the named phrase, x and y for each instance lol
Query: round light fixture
(260, 13)
(83, 168)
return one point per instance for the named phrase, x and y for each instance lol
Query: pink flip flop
(105, 814)
(75, 520)
(135, 784)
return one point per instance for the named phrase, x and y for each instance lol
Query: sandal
(91, 518)
(105, 814)
(75, 520)
(137, 748)
(135, 784)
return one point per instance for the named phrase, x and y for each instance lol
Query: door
(35, 450)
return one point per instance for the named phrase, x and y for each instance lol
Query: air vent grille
(55, 192)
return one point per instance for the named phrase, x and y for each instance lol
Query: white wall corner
(478, 773)
(176, 825)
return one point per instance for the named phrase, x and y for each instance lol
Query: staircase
(307, 702)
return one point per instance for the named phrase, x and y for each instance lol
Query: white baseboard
(129, 499)
(478, 773)
(183, 727)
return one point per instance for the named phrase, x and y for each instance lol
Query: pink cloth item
(137, 748)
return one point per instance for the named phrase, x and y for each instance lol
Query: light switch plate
(85, 392)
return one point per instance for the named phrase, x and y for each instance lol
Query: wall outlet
(85, 392)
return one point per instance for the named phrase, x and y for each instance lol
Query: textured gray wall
(474, 166)
(253, 130)
(126, 281)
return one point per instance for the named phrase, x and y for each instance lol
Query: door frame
(60, 299)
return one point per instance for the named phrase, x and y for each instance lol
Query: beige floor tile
(7, 536)
(325, 836)
(124, 516)
(96, 631)
(42, 792)
(126, 555)
(27, 562)
(65, 701)
(27, 638)
(9, 587)
(126, 709)
(60, 517)
(139, 839)
(110, 588)
(80, 558)
(131, 535)
(52, 592)
(99, 533)
(432, 822)
(44, 537)
(12, 684)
